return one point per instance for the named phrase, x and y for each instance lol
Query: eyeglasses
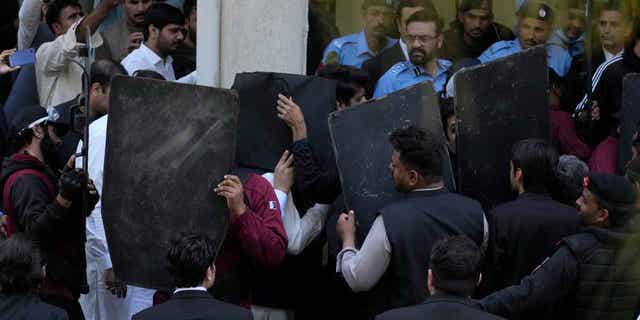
(422, 39)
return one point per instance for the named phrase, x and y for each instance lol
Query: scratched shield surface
(360, 138)
(496, 107)
(168, 145)
(630, 116)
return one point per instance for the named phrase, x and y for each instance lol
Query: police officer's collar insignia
(53, 113)
(419, 71)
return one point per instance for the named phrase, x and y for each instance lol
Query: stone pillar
(259, 35)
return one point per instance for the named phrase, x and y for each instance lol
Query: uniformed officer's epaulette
(400, 66)
(500, 45)
(340, 42)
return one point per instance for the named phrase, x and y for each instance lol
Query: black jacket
(377, 66)
(194, 305)
(58, 231)
(454, 47)
(440, 307)
(522, 234)
(413, 225)
(596, 268)
(28, 308)
(607, 91)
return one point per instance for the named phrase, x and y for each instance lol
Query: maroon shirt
(605, 157)
(257, 238)
(565, 137)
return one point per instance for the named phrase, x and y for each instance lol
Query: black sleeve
(311, 181)
(495, 253)
(546, 286)
(34, 211)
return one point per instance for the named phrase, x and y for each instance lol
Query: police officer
(596, 270)
(535, 23)
(354, 49)
(424, 38)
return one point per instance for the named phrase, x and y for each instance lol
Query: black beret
(536, 10)
(466, 5)
(612, 189)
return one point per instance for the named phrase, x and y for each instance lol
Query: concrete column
(208, 48)
(260, 35)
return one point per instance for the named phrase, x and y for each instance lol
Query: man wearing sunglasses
(46, 205)
(424, 39)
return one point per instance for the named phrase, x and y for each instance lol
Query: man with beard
(163, 32)
(125, 35)
(595, 272)
(354, 49)
(58, 77)
(184, 59)
(380, 64)
(424, 39)
(394, 257)
(47, 208)
(473, 31)
(571, 35)
(535, 22)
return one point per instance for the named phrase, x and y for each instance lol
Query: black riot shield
(498, 104)
(168, 145)
(630, 117)
(361, 140)
(262, 136)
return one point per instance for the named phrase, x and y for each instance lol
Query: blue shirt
(575, 47)
(352, 50)
(558, 58)
(404, 74)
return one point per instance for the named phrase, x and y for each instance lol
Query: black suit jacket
(28, 308)
(377, 66)
(194, 304)
(440, 308)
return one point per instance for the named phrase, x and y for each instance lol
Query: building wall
(259, 35)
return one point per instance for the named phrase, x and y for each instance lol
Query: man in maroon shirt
(256, 236)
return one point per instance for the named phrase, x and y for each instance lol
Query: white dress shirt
(29, 20)
(190, 289)
(144, 58)
(300, 231)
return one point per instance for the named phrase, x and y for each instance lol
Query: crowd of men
(565, 247)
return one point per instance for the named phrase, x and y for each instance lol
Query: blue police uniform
(558, 58)
(404, 74)
(352, 50)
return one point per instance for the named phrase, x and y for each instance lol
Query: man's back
(26, 307)
(524, 232)
(413, 226)
(194, 304)
(440, 308)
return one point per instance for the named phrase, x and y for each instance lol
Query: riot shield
(498, 104)
(262, 136)
(630, 116)
(361, 140)
(168, 145)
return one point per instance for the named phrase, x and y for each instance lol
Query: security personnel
(595, 272)
(535, 23)
(354, 49)
(424, 39)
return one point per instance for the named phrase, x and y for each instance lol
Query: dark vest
(413, 226)
(608, 274)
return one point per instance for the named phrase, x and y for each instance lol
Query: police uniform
(558, 58)
(405, 74)
(351, 50)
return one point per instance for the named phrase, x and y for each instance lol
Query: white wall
(261, 35)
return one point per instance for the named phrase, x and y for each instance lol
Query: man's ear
(603, 216)
(57, 28)
(430, 286)
(96, 89)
